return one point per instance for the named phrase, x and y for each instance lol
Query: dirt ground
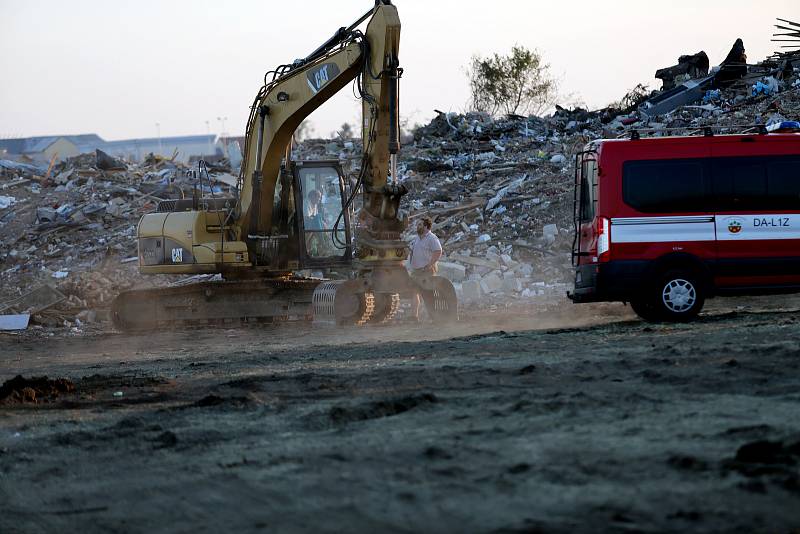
(554, 422)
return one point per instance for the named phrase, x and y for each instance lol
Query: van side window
(757, 183)
(666, 186)
(740, 183)
(783, 183)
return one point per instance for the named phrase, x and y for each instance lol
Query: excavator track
(220, 302)
(386, 308)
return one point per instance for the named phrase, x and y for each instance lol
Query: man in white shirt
(425, 253)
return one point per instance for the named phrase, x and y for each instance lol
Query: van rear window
(666, 185)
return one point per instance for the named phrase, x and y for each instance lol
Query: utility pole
(222, 120)
(224, 136)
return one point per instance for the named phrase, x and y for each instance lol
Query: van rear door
(586, 191)
(757, 199)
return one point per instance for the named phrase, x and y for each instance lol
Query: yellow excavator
(288, 216)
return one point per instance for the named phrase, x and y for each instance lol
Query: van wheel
(645, 310)
(678, 296)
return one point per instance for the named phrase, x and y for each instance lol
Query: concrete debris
(23, 169)
(688, 67)
(14, 322)
(452, 271)
(107, 163)
(691, 81)
(491, 283)
(6, 202)
(34, 301)
(470, 291)
(77, 229)
(733, 67)
(686, 93)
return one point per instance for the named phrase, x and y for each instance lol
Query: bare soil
(556, 422)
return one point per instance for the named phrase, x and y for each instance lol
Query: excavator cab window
(321, 192)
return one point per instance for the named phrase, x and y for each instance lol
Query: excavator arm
(257, 239)
(299, 89)
(277, 113)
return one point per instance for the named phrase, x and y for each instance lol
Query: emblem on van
(735, 225)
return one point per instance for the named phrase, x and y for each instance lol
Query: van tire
(645, 310)
(677, 296)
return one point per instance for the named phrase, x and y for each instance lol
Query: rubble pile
(499, 190)
(72, 228)
(500, 195)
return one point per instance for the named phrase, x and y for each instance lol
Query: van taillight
(603, 239)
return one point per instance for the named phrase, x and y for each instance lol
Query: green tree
(519, 83)
(632, 99)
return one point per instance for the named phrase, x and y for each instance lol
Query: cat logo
(177, 255)
(734, 225)
(318, 77)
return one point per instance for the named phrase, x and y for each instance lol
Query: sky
(145, 68)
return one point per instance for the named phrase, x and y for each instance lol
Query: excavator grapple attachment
(343, 302)
(440, 299)
(349, 302)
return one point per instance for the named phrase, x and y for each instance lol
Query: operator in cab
(425, 253)
(313, 212)
(319, 243)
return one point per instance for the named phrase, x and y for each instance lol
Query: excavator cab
(310, 228)
(323, 222)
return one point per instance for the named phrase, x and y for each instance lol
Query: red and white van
(666, 222)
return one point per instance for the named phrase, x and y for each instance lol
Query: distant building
(65, 146)
(224, 143)
(232, 148)
(185, 147)
(58, 148)
(44, 148)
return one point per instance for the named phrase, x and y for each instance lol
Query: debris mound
(68, 233)
(34, 390)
